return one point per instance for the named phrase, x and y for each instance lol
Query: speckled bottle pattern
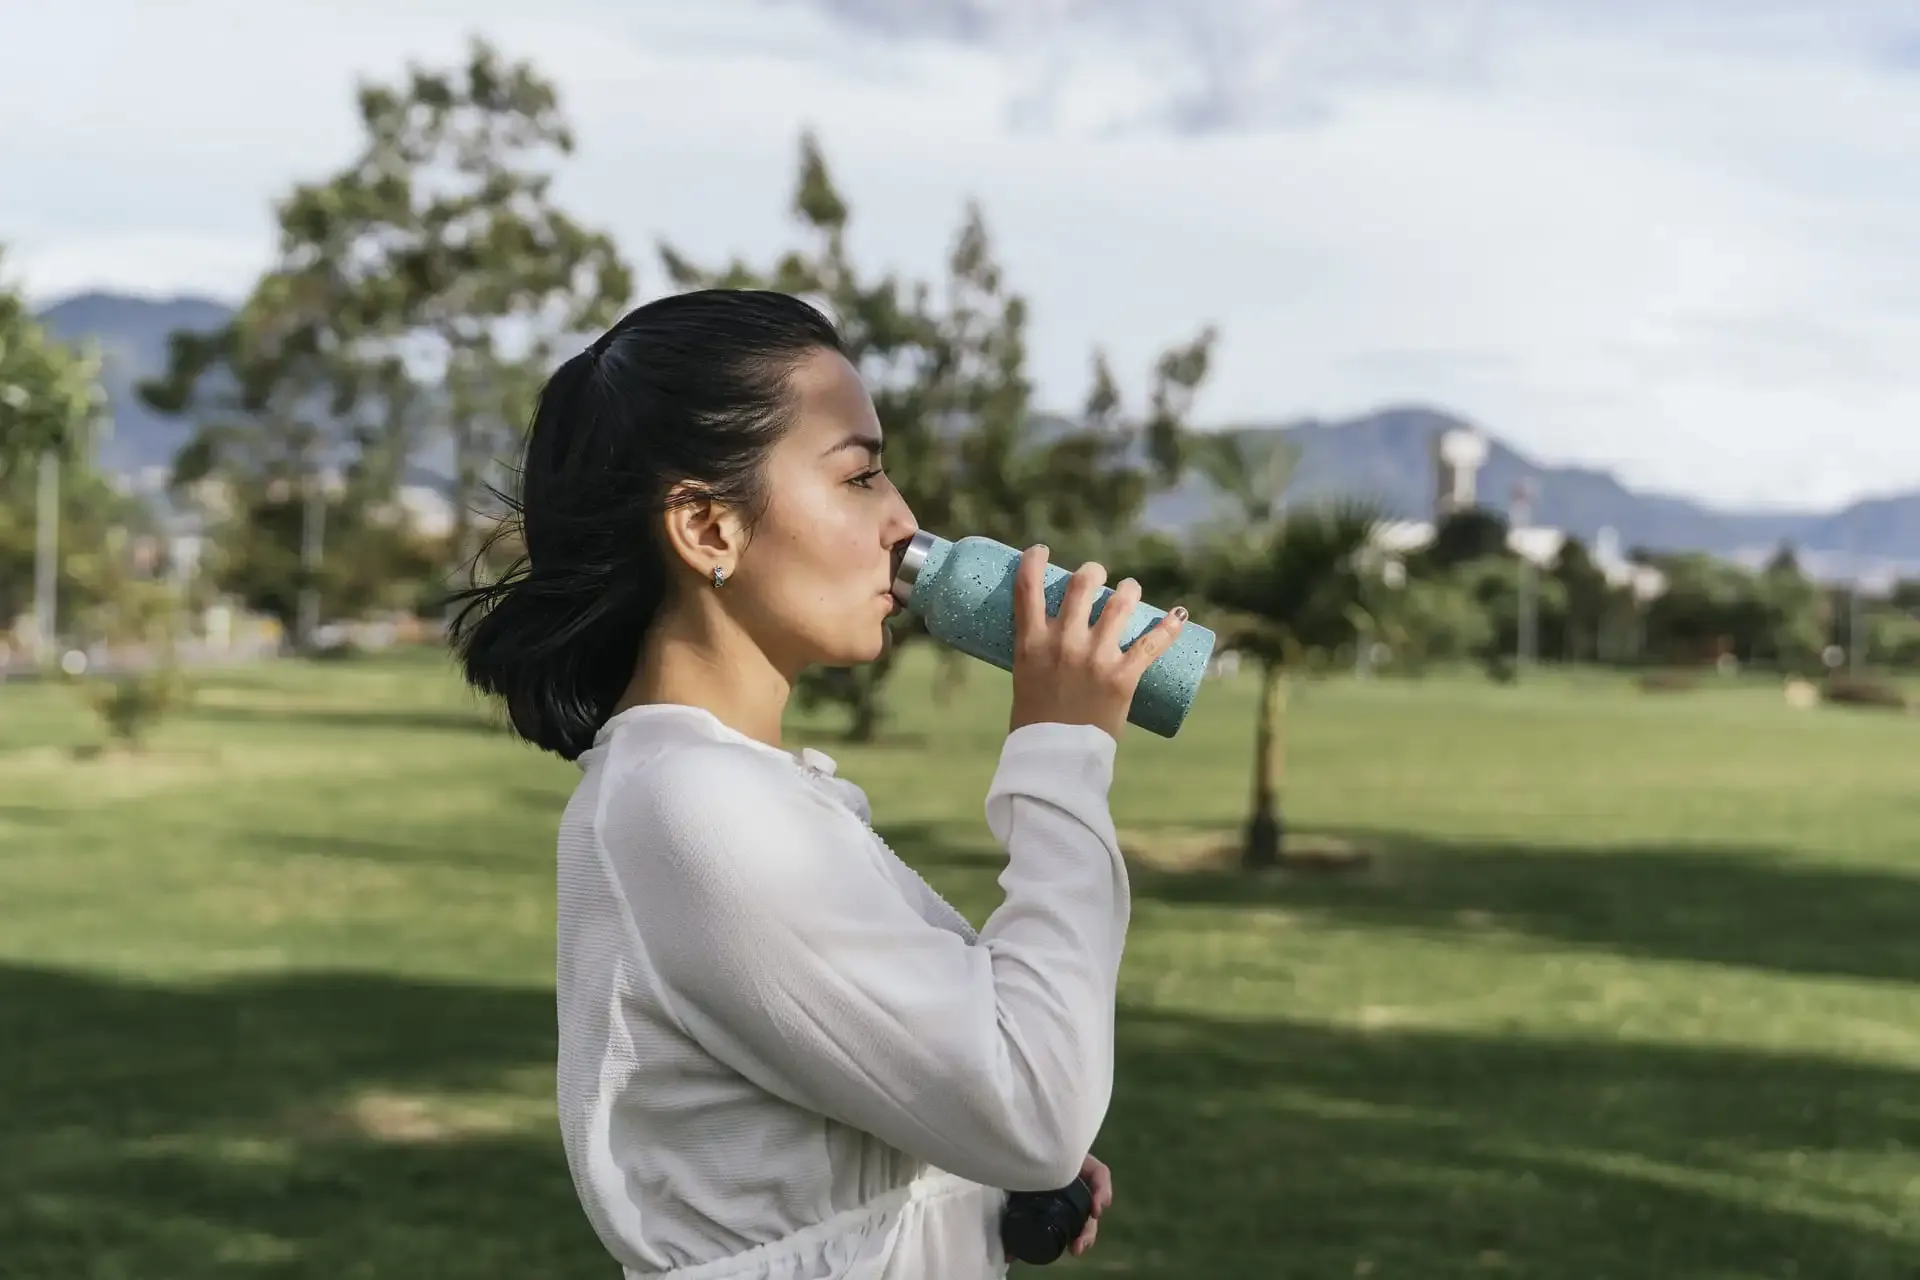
(963, 592)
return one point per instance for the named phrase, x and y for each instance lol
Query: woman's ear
(701, 533)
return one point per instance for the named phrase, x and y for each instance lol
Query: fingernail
(1179, 613)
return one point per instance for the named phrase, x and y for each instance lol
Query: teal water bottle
(963, 592)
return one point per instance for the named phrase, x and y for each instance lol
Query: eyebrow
(871, 444)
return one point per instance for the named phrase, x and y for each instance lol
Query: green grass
(1630, 989)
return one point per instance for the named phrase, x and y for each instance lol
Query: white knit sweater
(782, 1055)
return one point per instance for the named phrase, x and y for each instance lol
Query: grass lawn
(1631, 988)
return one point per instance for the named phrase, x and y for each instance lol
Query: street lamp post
(46, 559)
(1526, 641)
(1856, 652)
(313, 524)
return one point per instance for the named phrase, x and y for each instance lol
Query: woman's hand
(1067, 672)
(1100, 1178)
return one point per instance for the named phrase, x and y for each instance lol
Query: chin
(858, 651)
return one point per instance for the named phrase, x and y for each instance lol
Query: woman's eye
(866, 478)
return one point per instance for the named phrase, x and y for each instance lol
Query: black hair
(692, 390)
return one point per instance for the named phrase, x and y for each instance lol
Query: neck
(705, 662)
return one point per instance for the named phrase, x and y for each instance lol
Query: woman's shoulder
(669, 756)
(672, 782)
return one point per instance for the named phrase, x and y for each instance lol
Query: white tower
(1458, 455)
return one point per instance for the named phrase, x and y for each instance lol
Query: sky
(1675, 238)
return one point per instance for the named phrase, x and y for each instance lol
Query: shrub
(1864, 691)
(338, 651)
(130, 704)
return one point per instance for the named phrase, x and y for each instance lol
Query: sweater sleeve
(785, 949)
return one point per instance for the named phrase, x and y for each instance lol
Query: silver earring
(719, 577)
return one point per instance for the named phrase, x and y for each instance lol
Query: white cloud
(1664, 237)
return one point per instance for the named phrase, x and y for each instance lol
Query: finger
(1114, 616)
(1029, 596)
(1100, 1181)
(1085, 1240)
(1157, 639)
(1081, 589)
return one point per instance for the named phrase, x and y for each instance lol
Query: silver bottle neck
(913, 558)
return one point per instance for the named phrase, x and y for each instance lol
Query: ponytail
(557, 637)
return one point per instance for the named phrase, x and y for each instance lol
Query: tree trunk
(866, 713)
(463, 535)
(867, 704)
(469, 463)
(950, 675)
(1266, 832)
(313, 532)
(46, 564)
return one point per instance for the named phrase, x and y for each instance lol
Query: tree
(107, 587)
(425, 285)
(1712, 608)
(1784, 562)
(376, 563)
(891, 337)
(1584, 587)
(1094, 476)
(1693, 620)
(441, 243)
(136, 618)
(1893, 638)
(83, 515)
(1434, 620)
(1472, 533)
(300, 437)
(1289, 595)
(1493, 583)
(50, 405)
(1168, 572)
(277, 399)
(49, 393)
(1019, 476)
(947, 371)
(1792, 617)
(1252, 470)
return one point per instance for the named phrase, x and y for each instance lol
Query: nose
(900, 526)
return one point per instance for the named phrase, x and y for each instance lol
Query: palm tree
(1287, 588)
(51, 410)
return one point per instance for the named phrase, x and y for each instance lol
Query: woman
(783, 1056)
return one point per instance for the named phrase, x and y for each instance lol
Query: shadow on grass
(1277, 1149)
(1754, 908)
(475, 848)
(184, 1132)
(205, 1132)
(32, 816)
(418, 719)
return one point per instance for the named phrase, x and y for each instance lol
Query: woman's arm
(787, 951)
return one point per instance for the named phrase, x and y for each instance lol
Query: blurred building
(1458, 455)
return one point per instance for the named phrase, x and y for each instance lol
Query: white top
(782, 1055)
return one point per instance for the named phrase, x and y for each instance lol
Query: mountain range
(1385, 455)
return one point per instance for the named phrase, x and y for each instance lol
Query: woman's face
(812, 584)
